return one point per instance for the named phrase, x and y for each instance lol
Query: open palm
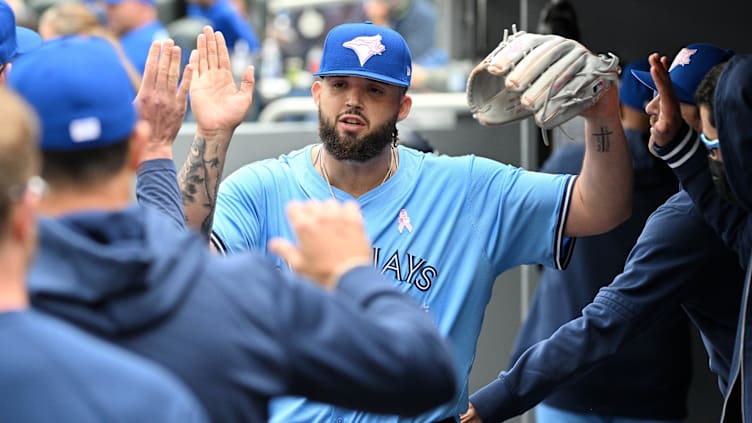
(218, 104)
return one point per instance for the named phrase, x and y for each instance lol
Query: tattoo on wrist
(199, 179)
(603, 140)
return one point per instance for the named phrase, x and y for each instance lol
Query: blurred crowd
(282, 41)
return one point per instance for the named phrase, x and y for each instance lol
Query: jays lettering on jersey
(442, 227)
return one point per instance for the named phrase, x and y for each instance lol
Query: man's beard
(349, 146)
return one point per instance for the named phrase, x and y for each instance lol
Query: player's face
(688, 111)
(358, 116)
(119, 17)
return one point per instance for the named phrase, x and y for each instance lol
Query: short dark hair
(706, 90)
(82, 167)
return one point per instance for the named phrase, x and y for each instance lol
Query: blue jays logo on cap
(369, 51)
(688, 68)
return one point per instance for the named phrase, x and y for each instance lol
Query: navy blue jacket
(686, 155)
(237, 330)
(678, 261)
(53, 372)
(648, 378)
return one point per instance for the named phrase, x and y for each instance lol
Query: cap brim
(26, 40)
(645, 78)
(369, 75)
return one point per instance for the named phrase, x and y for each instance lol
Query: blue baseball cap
(688, 68)
(369, 51)
(14, 40)
(80, 90)
(632, 93)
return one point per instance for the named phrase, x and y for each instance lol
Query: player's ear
(406, 103)
(316, 91)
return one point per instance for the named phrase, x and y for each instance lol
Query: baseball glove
(549, 77)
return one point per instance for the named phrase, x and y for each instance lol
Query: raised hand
(331, 240)
(217, 103)
(665, 112)
(160, 101)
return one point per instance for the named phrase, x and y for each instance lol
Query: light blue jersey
(442, 227)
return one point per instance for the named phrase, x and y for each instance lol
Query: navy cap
(369, 51)
(14, 40)
(688, 68)
(80, 90)
(632, 92)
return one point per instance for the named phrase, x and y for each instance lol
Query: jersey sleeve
(523, 212)
(157, 188)
(237, 221)
(688, 159)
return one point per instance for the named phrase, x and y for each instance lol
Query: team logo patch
(683, 58)
(365, 47)
(404, 221)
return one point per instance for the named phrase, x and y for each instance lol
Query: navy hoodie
(648, 378)
(733, 114)
(238, 330)
(677, 263)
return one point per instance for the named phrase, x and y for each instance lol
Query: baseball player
(236, 330)
(443, 228)
(673, 266)
(679, 145)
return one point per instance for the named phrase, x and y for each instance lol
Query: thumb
(247, 82)
(185, 83)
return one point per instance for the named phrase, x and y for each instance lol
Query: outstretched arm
(218, 106)
(162, 103)
(675, 252)
(602, 196)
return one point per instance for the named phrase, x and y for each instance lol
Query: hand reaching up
(160, 101)
(217, 103)
(331, 240)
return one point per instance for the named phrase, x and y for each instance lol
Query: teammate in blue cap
(14, 40)
(236, 331)
(648, 380)
(443, 228)
(682, 149)
(677, 263)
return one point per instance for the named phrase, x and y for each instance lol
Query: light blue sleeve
(521, 214)
(237, 221)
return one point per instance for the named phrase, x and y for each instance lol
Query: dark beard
(350, 147)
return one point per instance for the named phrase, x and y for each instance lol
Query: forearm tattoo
(199, 181)
(603, 140)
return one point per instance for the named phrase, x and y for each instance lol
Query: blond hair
(77, 19)
(19, 148)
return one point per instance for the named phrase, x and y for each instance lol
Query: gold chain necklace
(322, 167)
